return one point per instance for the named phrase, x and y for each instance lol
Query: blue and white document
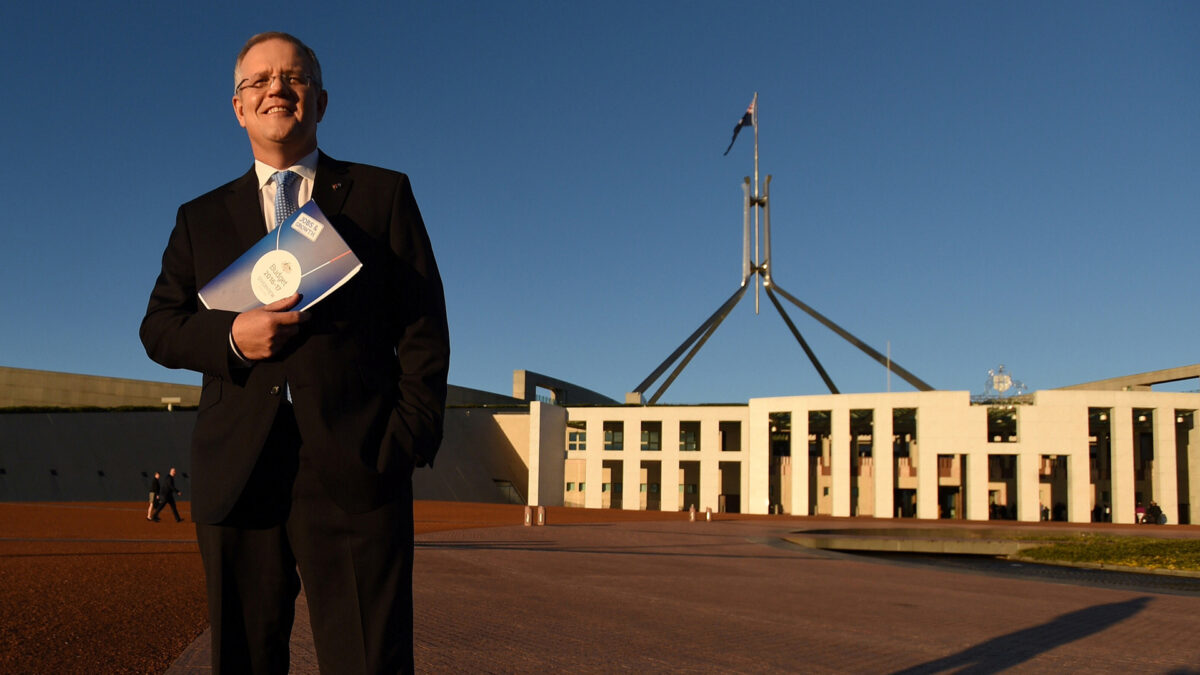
(305, 255)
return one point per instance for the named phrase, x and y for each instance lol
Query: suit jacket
(367, 373)
(168, 490)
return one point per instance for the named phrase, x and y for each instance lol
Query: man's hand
(262, 333)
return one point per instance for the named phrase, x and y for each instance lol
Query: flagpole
(757, 258)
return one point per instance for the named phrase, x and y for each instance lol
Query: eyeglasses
(262, 81)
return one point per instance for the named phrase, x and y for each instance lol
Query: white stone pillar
(927, 472)
(1123, 490)
(1029, 505)
(799, 442)
(881, 452)
(756, 461)
(670, 466)
(1079, 482)
(710, 465)
(1166, 477)
(1193, 456)
(631, 469)
(839, 460)
(593, 495)
(975, 481)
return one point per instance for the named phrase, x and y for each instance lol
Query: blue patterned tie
(285, 200)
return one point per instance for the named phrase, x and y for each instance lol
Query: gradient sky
(973, 184)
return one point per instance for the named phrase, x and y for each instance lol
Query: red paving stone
(726, 596)
(594, 591)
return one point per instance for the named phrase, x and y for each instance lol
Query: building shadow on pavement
(1009, 651)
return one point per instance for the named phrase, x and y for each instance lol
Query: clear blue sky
(974, 183)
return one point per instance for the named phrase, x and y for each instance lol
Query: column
(756, 461)
(839, 460)
(593, 498)
(975, 482)
(799, 442)
(1029, 504)
(631, 468)
(1123, 492)
(1193, 455)
(669, 492)
(710, 468)
(881, 442)
(1079, 483)
(1166, 488)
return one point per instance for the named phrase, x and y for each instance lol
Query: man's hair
(277, 35)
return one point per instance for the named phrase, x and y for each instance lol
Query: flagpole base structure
(757, 270)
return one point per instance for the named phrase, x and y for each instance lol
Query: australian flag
(748, 120)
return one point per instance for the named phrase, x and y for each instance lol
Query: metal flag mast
(758, 269)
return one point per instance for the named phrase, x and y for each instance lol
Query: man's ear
(239, 111)
(322, 101)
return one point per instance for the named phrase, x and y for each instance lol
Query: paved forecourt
(733, 596)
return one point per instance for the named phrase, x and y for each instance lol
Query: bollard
(541, 515)
(528, 516)
(708, 513)
(692, 513)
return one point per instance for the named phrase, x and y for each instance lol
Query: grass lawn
(1144, 552)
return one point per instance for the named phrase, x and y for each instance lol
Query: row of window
(689, 436)
(652, 488)
(1002, 424)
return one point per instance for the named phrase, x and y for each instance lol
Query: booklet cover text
(305, 255)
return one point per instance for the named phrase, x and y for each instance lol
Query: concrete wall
(91, 456)
(547, 458)
(111, 456)
(21, 387)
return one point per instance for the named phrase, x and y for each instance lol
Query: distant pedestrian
(154, 490)
(167, 496)
(1155, 515)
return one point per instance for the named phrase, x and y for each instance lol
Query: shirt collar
(306, 168)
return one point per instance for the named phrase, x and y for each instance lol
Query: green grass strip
(1145, 552)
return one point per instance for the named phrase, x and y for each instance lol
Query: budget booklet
(305, 255)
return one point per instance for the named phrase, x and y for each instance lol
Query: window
(652, 436)
(730, 434)
(571, 486)
(576, 436)
(1002, 424)
(614, 436)
(689, 436)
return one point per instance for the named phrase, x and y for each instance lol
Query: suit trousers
(356, 571)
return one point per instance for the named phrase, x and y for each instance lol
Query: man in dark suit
(310, 423)
(167, 496)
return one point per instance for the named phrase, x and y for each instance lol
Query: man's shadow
(1009, 651)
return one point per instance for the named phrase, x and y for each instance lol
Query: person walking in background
(167, 496)
(154, 490)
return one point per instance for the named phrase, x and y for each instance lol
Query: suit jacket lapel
(331, 185)
(245, 211)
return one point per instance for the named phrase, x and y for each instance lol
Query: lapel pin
(337, 186)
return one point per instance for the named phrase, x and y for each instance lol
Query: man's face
(279, 117)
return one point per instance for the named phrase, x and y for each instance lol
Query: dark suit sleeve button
(275, 390)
